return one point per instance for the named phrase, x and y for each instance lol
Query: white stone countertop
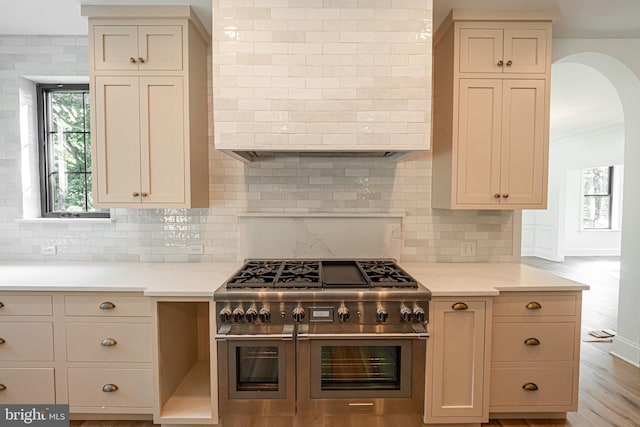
(202, 279)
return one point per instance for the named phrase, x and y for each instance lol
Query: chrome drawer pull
(1, 304)
(534, 305)
(108, 388)
(532, 341)
(3, 387)
(530, 387)
(107, 305)
(2, 341)
(108, 342)
(460, 306)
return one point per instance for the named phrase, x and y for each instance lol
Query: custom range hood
(322, 81)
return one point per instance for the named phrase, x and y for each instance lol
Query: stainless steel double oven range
(315, 338)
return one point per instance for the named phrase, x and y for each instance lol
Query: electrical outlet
(195, 250)
(468, 249)
(48, 250)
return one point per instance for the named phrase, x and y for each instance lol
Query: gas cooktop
(310, 273)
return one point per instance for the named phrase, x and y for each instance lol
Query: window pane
(69, 191)
(595, 212)
(68, 152)
(67, 111)
(596, 181)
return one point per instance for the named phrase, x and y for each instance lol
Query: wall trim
(626, 350)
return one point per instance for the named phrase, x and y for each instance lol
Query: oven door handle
(419, 332)
(224, 335)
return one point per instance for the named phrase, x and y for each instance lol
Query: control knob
(381, 314)
(238, 314)
(343, 313)
(252, 314)
(264, 314)
(225, 315)
(418, 312)
(298, 313)
(406, 313)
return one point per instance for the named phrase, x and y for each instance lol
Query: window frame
(608, 195)
(46, 198)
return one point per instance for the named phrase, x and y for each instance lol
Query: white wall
(620, 62)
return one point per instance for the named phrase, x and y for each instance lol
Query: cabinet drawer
(25, 305)
(556, 342)
(555, 386)
(134, 387)
(549, 305)
(106, 305)
(26, 341)
(131, 342)
(27, 386)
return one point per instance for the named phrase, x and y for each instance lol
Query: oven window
(360, 367)
(257, 368)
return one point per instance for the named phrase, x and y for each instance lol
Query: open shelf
(192, 397)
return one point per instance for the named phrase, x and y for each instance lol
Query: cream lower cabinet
(535, 354)
(27, 361)
(457, 361)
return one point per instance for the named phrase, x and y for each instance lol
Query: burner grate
(256, 274)
(386, 273)
(299, 274)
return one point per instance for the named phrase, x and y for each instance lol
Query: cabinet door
(117, 145)
(479, 133)
(115, 47)
(162, 140)
(480, 50)
(524, 153)
(458, 359)
(525, 51)
(160, 47)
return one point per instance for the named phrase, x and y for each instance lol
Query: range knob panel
(298, 314)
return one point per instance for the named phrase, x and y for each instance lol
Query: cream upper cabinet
(491, 110)
(497, 50)
(457, 361)
(150, 127)
(131, 47)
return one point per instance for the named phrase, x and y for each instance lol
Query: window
(597, 187)
(65, 151)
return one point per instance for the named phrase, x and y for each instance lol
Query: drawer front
(554, 387)
(25, 305)
(27, 386)
(514, 342)
(131, 342)
(26, 341)
(130, 387)
(96, 305)
(549, 305)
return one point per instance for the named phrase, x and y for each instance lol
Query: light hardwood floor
(609, 387)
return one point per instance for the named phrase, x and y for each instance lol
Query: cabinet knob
(135, 194)
(2, 341)
(497, 195)
(141, 60)
(3, 387)
(532, 341)
(144, 194)
(460, 306)
(108, 342)
(108, 388)
(509, 63)
(534, 305)
(1, 304)
(107, 305)
(500, 63)
(505, 196)
(530, 387)
(132, 60)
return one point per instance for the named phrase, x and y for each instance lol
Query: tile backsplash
(293, 184)
(322, 74)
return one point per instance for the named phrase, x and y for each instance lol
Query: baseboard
(592, 252)
(626, 350)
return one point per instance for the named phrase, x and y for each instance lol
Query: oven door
(379, 370)
(256, 370)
